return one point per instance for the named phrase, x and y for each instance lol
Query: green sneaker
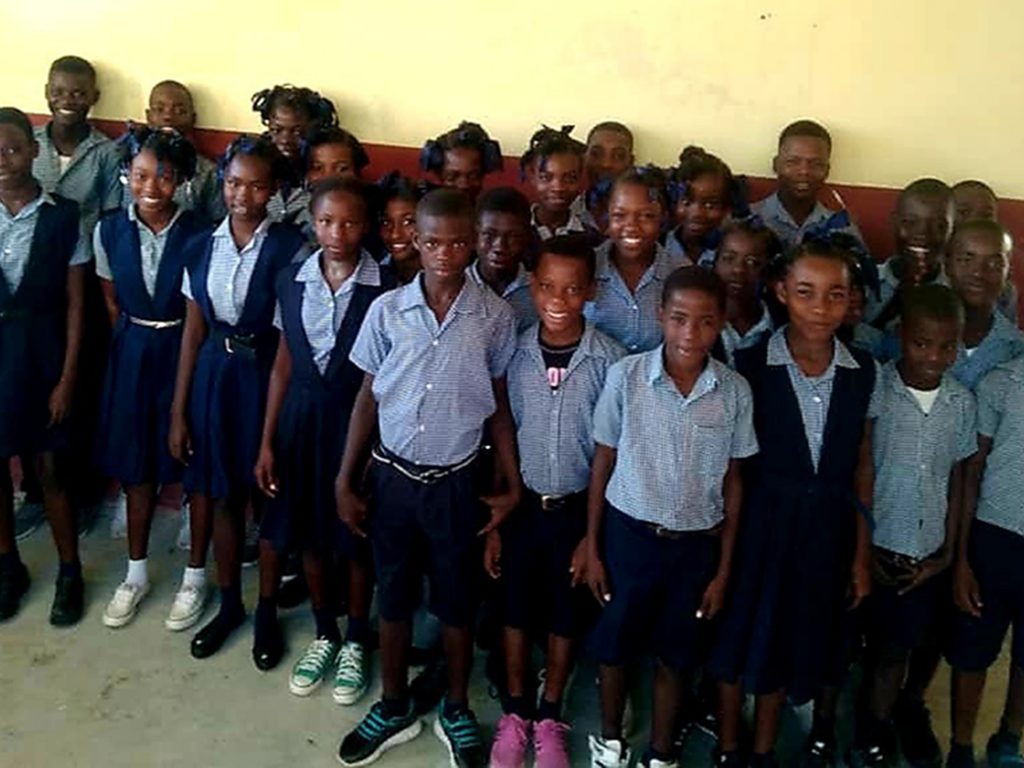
(312, 667)
(350, 677)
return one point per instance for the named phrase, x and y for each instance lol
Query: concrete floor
(91, 696)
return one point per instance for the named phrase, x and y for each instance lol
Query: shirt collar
(661, 266)
(773, 208)
(521, 279)
(948, 391)
(707, 381)
(224, 231)
(91, 139)
(133, 216)
(43, 198)
(779, 354)
(573, 224)
(367, 271)
(763, 325)
(470, 299)
(529, 341)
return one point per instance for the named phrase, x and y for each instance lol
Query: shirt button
(635, 308)
(434, 342)
(924, 466)
(430, 387)
(632, 346)
(422, 428)
(816, 399)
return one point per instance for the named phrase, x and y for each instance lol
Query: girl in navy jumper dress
(803, 556)
(141, 253)
(321, 304)
(227, 351)
(41, 286)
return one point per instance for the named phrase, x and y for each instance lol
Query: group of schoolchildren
(634, 417)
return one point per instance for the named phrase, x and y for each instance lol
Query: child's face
(922, 228)
(288, 127)
(339, 222)
(170, 108)
(977, 265)
(560, 287)
(703, 207)
(929, 347)
(556, 180)
(328, 161)
(609, 153)
(248, 186)
(445, 244)
(855, 311)
(70, 96)
(501, 242)
(974, 202)
(691, 321)
(802, 166)
(152, 183)
(398, 229)
(741, 260)
(816, 291)
(634, 221)
(463, 170)
(17, 152)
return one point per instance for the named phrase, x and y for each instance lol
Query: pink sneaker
(549, 744)
(510, 740)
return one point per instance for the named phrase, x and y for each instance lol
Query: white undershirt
(925, 397)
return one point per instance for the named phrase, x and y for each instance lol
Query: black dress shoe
(13, 584)
(267, 645)
(67, 601)
(210, 638)
(293, 592)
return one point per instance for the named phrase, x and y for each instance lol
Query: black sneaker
(13, 585)
(960, 757)
(1003, 751)
(913, 724)
(68, 599)
(819, 751)
(877, 755)
(461, 734)
(429, 687)
(376, 734)
(730, 759)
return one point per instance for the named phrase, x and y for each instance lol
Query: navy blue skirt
(135, 408)
(786, 623)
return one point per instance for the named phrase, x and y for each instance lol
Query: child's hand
(178, 441)
(597, 580)
(924, 570)
(60, 402)
(860, 584)
(351, 509)
(492, 554)
(266, 478)
(714, 598)
(501, 506)
(966, 592)
(578, 564)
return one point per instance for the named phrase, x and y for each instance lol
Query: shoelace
(316, 657)
(350, 662)
(549, 735)
(186, 594)
(374, 724)
(125, 594)
(463, 731)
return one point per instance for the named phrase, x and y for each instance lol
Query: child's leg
(458, 649)
(885, 676)
(1013, 711)
(8, 545)
(730, 707)
(228, 531)
(613, 699)
(557, 671)
(315, 571)
(59, 512)
(201, 528)
(516, 646)
(924, 663)
(141, 504)
(968, 688)
(668, 691)
(767, 713)
(395, 639)
(360, 595)
(270, 572)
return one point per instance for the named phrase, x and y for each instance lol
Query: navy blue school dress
(33, 334)
(135, 407)
(313, 422)
(229, 386)
(786, 623)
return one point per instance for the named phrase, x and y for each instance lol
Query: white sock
(194, 577)
(138, 573)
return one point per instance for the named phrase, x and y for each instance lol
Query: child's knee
(48, 471)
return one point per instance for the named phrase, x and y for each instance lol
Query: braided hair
(549, 141)
(168, 146)
(466, 135)
(248, 145)
(319, 110)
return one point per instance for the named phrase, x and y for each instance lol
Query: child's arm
(941, 560)
(600, 473)
(732, 494)
(280, 375)
(192, 338)
(966, 592)
(351, 506)
(60, 398)
(864, 485)
(110, 300)
(503, 434)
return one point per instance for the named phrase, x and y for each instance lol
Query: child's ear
(828, 168)
(95, 97)
(591, 293)
(776, 165)
(779, 286)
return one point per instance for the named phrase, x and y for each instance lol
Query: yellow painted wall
(908, 87)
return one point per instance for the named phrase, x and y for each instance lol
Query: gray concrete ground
(90, 696)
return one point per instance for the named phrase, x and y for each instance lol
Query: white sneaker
(350, 677)
(608, 753)
(187, 607)
(312, 667)
(185, 532)
(118, 516)
(124, 604)
(655, 763)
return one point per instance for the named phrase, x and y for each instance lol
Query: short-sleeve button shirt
(16, 233)
(151, 250)
(1001, 417)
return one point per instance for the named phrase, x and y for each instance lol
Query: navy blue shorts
(995, 555)
(902, 623)
(536, 551)
(657, 584)
(430, 528)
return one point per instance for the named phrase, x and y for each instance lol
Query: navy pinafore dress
(229, 386)
(135, 407)
(313, 424)
(33, 336)
(786, 623)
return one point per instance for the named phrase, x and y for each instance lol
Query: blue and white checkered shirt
(914, 453)
(16, 234)
(578, 218)
(1003, 343)
(92, 178)
(201, 193)
(775, 216)
(733, 340)
(280, 207)
(631, 319)
(1001, 417)
(673, 451)
(677, 251)
(813, 394)
(434, 384)
(151, 250)
(323, 310)
(555, 427)
(517, 294)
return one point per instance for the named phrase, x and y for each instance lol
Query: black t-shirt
(556, 361)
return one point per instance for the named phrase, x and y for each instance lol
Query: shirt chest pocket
(709, 447)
